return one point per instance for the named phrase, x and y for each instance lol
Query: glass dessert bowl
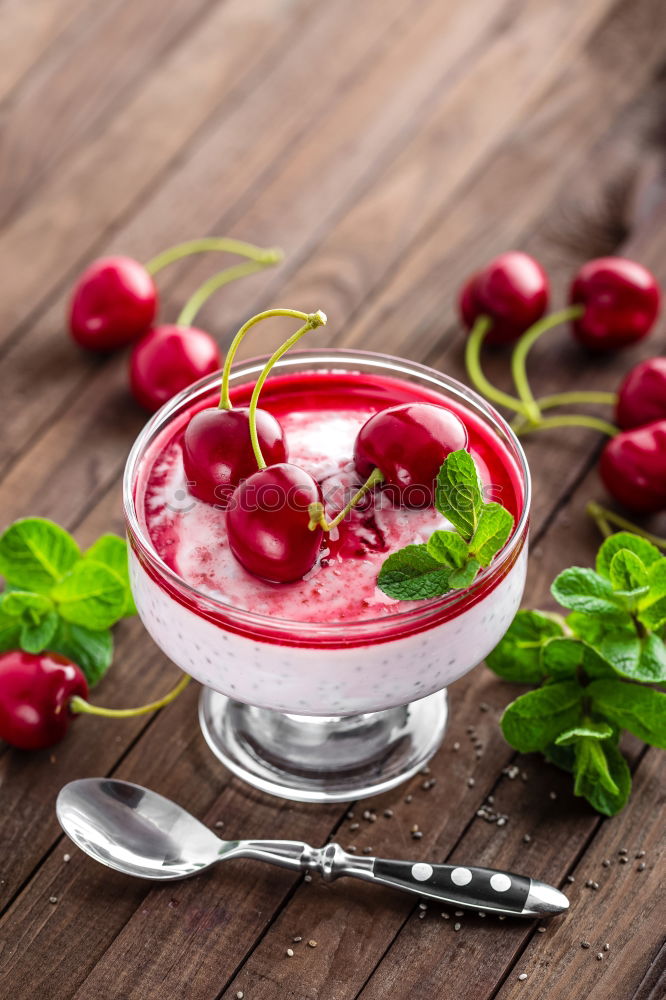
(324, 689)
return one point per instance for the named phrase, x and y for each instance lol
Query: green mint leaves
(59, 599)
(591, 668)
(451, 559)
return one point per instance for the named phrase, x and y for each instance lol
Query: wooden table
(390, 146)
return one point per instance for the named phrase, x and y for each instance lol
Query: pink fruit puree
(321, 413)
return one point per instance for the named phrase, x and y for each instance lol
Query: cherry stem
(318, 514)
(222, 243)
(603, 518)
(519, 424)
(82, 707)
(569, 420)
(219, 280)
(522, 349)
(225, 400)
(312, 321)
(481, 328)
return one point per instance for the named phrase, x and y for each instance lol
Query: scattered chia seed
(458, 913)
(457, 927)
(388, 813)
(606, 863)
(624, 860)
(478, 755)
(640, 854)
(541, 930)
(417, 835)
(552, 795)
(595, 886)
(501, 821)
(372, 818)
(425, 770)
(366, 814)
(470, 730)
(585, 944)
(526, 838)
(367, 850)
(491, 800)
(600, 956)
(471, 782)
(456, 746)
(414, 828)
(408, 798)
(350, 814)
(66, 858)
(623, 850)
(502, 917)
(607, 946)
(421, 915)
(522, 977)
(641, 867)
(481, 913)
(53, 899)
(446, 916)
(484, 706)
(352, 849)
(354, 826)
(297, 939)
(589, 883)
(523, 775)
(511, 772)
(423, 906)
(307, 878)
(571, 878)
(219, 824)
(290, 952)
(240, 995)
(312, 943)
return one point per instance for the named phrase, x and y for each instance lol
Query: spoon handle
(473, 888)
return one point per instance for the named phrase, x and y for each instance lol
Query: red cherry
(633, 467)
(408, 444)
(113, 302)
(35, 690)
(217, 450)
(621, 300)
(168, 359)
(268, 523)
(512, 289)
(642, 396)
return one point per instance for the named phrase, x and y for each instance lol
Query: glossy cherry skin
(408, 444)
(642, 396)
(267, 523)
(633, 468)
(217, 451)
(35, 690)
(113, 303)
(168, 359)
(621, 300)
(512, 289)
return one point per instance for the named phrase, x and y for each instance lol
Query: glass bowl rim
(320, 357)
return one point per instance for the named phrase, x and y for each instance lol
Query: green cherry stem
(318, 514)
(522, 349)
(568, 420)
(567, 398)
(312, 321)
(474, 370)
(219, 280)
(603, 518)
(82, 707)
(208, 243)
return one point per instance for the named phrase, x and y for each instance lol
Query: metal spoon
(139, 832)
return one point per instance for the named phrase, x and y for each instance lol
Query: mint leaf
(646, 551)
(584, 590)
(652, 607)
(464, 577)
(16, 602)
(35, 553)
(111, 551)
(448, 548)
(35, 636)
(561, 656)
(622, 649)
(641, 710)
(10, 632)
(536, 719)
(458, 492)
(651, 667)
(590, 730)
(518, 655)
(90, 595)
(494, 527)
(601, 775)
(411, 574)
(628, 575)
(91, 650)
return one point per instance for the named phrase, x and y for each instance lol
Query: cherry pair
(115, 301)
(619, 300)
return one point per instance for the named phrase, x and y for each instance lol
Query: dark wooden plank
(73, 90)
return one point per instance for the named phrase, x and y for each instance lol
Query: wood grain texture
(391, 148)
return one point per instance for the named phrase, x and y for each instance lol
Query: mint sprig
(59, 599)
(451, 559)
(592, 667)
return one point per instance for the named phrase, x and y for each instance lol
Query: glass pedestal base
(322, 758)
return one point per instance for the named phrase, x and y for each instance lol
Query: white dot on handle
(500, 883)
(421, 872)
(461, 876)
